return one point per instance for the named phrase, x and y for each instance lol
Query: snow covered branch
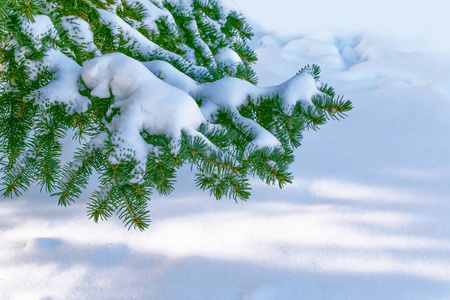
(145, 87)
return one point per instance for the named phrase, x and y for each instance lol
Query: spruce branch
(69, 74)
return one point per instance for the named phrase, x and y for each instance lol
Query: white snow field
(366, 217)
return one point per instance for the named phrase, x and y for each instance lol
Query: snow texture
(64, 88)
(138, 42)
(231, 93)
(80, 31)
(42, 27)
(66, 72)
(227, 56)
(145, 103)
(168, 107)
(154, 13)
(119, 26)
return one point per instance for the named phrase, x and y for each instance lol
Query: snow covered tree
(145, 86)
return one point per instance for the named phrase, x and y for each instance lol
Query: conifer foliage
(144, 86)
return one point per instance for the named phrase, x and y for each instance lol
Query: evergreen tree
(145, 86)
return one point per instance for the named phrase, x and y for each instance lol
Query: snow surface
(366, 217)
(424, 23)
